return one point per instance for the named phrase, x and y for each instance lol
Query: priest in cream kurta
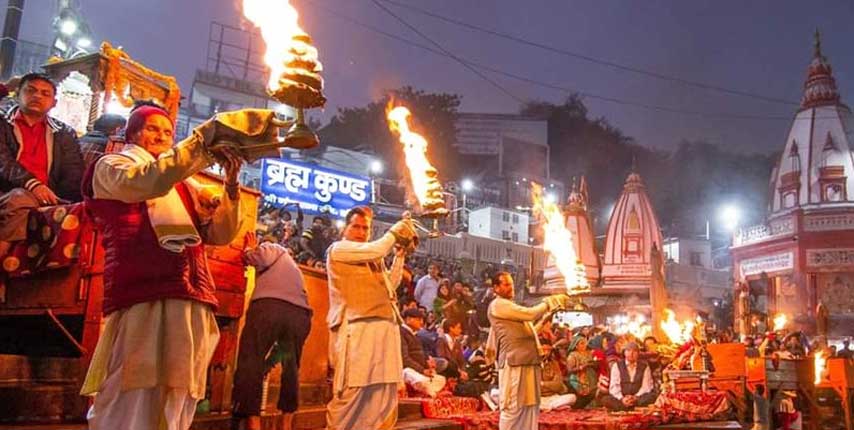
(514, 340)
(363, 319)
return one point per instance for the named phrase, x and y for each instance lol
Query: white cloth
(426, 290)
(368, 371)
(168, 399)
(430, 386)
(168, 216)
(373, 407)
(616, 391)
(548, 403)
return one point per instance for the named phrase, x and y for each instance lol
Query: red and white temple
(632, 234)
(802, 256)
(623, 281)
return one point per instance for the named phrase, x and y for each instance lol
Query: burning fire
(636, 325)
(557, 240)
(289, 50)
(425, 183)
(780, 321)
(820, 362)
(678, 333)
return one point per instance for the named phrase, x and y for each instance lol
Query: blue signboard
(316, 189)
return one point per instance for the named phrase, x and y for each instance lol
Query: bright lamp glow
(467, 185)
(376, 166)
(84, 42)
(68, 27)
(549, 198)
(730, 216)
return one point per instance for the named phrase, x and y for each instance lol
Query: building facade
(801, 259)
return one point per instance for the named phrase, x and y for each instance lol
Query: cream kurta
(150, 366)
(518, 386)
(365, 353)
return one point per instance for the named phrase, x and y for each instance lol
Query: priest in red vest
(149, 368)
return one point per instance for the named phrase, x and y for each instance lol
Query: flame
(421, 172)
(820, 362)
(780, 321)
(278, 21)
(678, 333)
(636, 325)
(557, 240)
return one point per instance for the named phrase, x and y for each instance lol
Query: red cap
(138, 117)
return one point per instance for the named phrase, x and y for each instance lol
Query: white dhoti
(428, 385)
(150, 366)
(368, 371)
(519, 397)
(556, 401)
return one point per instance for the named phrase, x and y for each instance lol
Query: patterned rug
(53, 234)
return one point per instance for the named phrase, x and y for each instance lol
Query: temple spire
(820, 86)
(817, 45)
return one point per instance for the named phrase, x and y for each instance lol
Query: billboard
(316, 189)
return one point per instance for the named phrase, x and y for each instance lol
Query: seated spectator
(750, 350)
(554, 392)
(314, 241)
(419, 370)
(582, 369)
(443, 299)
(409, 304)
(94, 143)
(449, 347)
(631, 383)
(460, 304)
(551, 383)
(40, 159)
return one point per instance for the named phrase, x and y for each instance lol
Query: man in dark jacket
(40, 161)
(94, 143)
(419, 369)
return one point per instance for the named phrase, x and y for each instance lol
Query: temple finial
(817, 45)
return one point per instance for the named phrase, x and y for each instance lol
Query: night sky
(760, 47)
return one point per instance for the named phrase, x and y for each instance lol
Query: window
(697, 259)
(515, 218)
(515, 237)
(505, 235)
(505, 216)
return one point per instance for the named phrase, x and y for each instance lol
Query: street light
(84, 42)
(549, 198)
(467, 185)
(729, 216)
(376, 167)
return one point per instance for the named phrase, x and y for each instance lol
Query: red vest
(136, 268)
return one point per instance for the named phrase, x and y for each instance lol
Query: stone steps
(307, 418)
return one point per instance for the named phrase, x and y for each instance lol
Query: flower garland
(117, 80)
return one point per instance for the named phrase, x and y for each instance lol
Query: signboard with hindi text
(316, 189)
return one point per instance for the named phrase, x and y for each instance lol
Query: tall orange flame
(423, 175)
(278, 21)
(820, 363)
(678, 333)
(557, 240)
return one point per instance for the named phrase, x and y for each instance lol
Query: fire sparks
(678, 333)
(290, 55)
(780, 321)
(424, 177)
(557, 240)
(820, 362)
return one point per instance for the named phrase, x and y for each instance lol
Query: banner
(316, 189)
